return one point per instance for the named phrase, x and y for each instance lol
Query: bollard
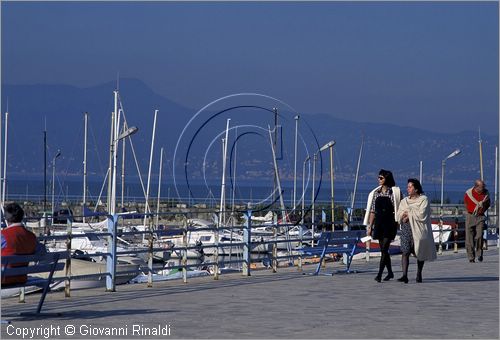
(22, 295)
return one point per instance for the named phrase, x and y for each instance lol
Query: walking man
(476, 201)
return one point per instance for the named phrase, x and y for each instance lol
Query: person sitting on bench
(16, 239)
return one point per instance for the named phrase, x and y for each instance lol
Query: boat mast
(496, 186)
(115, 153)
(85, 164)
(353, 200)
(480, 155)
(124, 143)
(1, 178)
(4, 184)
(147, 210)
(234, 178)
(297, 117)
(222, 200)
(159, 189)
(421, 172)
(223, 184)
(111, 208)
(45, 166)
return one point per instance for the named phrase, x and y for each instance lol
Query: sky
(430, 65)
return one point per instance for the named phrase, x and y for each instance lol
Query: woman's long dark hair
(416, 185)
(389, 179)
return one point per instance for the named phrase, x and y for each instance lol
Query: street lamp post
(111, 261)
(443, 164)
(53, 181)
(315, 157)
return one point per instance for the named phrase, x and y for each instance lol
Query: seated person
(16, 240)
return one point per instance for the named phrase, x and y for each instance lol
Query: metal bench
(37, 263)
(339, 242)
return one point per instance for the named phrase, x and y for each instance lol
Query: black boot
(403, 278)
(420, 266)
(389, 276)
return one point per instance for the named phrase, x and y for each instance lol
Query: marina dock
(457, 299)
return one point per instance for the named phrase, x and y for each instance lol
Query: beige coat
(419, 214)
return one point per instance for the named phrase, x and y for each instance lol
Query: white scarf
(396, 196)
(478, 204)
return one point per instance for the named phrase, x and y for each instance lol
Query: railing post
(301, 235)
(67, 282)
(455, 237)
(247, 239)
(440, 248)
(275, 244)
(216, 250)
(184, 251)
(111, 257)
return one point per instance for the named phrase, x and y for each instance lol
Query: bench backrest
(345, 237)
(43, 262)
(324, 239)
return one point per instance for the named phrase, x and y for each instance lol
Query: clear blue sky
(424, 64)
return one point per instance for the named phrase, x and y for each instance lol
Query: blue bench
(37, 263)
(339, 242)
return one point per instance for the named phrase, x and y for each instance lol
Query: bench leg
(321, 259)
(46, 288)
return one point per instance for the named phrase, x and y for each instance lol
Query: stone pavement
(457, 299)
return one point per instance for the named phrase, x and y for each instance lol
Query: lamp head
(130, 131)
(327, 145)
(453, 154)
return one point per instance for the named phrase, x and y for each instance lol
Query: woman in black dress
(383, 226)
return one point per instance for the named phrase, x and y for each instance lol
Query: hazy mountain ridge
(386, 145)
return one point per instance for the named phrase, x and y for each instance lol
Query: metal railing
(156, 237)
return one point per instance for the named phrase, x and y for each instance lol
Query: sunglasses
(381, 177)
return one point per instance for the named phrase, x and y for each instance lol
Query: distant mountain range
(61, 108)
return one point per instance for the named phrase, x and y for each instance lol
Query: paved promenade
(457, 299)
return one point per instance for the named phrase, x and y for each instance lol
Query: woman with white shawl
(414, 213)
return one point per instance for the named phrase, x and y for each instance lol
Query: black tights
(405, 261)
(385, 259)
